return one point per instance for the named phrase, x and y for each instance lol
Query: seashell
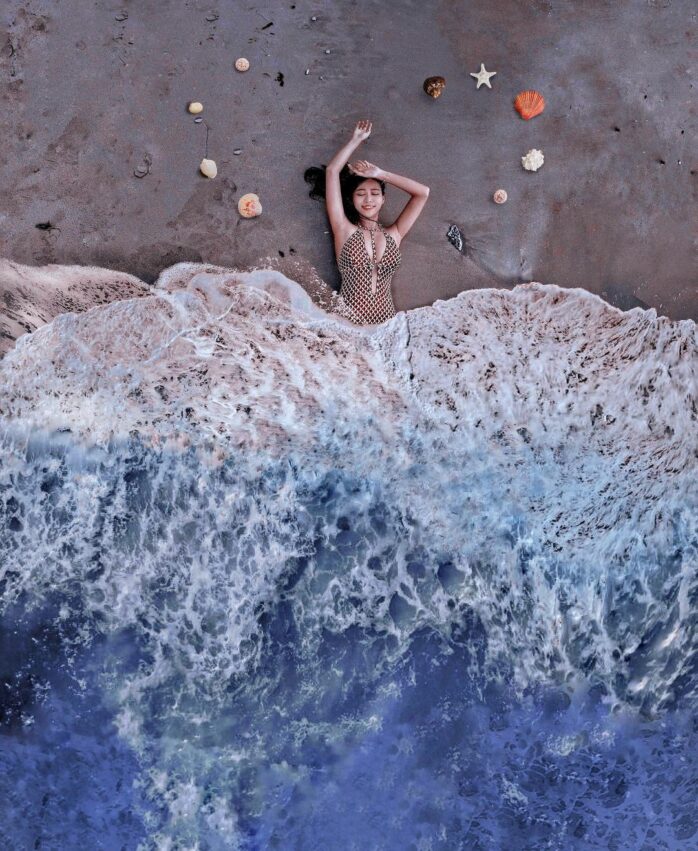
(249, 206)
(242, 64)
(500, 196)
(529, 104)
(143, 169)
(208, 168)
(198, 120)
(195, 107)
(455, 237)
(433, 86)
(533, 160)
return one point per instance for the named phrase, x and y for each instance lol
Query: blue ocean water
(270, 581)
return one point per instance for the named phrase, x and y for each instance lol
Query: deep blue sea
(272, 581)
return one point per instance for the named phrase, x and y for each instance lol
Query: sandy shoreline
(91, 91)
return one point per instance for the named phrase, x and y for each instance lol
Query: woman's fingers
(359, 167)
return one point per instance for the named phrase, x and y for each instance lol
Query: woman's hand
(362, 131)
(365, 169)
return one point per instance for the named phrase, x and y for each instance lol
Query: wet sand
(93, 89)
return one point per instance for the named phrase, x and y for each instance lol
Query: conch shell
(249, 206)
(242, 64)
(533, 160)
(433, 86)
(208, 168)
(529, 104)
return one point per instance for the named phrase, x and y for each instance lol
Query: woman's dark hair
(348, 182)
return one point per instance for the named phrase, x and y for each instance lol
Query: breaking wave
(273, 580)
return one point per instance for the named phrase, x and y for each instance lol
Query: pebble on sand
(195, 107)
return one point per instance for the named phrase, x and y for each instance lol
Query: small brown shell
(529, 104)
(500, 196)
(249, 206)
(433, 86)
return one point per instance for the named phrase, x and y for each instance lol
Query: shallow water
(271, 580)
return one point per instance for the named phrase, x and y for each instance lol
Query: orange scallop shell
(529, 104)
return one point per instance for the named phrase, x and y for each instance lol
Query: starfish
(483, 76)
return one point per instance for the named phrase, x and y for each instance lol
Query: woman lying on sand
(367, 255)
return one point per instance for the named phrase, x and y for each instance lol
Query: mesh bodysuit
(356, 267)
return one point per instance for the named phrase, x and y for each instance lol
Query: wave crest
(523, 457)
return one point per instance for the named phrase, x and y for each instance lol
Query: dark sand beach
(94, 91)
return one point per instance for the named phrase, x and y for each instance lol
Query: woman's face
(368, 198)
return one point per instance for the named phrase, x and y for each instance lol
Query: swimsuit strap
(361, 227)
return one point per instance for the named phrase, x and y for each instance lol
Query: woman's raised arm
(418, 191)
(412, 209)
(333, 192)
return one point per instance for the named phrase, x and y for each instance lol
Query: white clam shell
(208, 168)
(242, 64)
(533, 160)
(195, 107)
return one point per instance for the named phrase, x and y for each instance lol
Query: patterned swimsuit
(356, 267)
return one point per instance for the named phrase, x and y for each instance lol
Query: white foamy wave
(525, 458)
(32, 296)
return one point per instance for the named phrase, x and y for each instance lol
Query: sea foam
(514, 471)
